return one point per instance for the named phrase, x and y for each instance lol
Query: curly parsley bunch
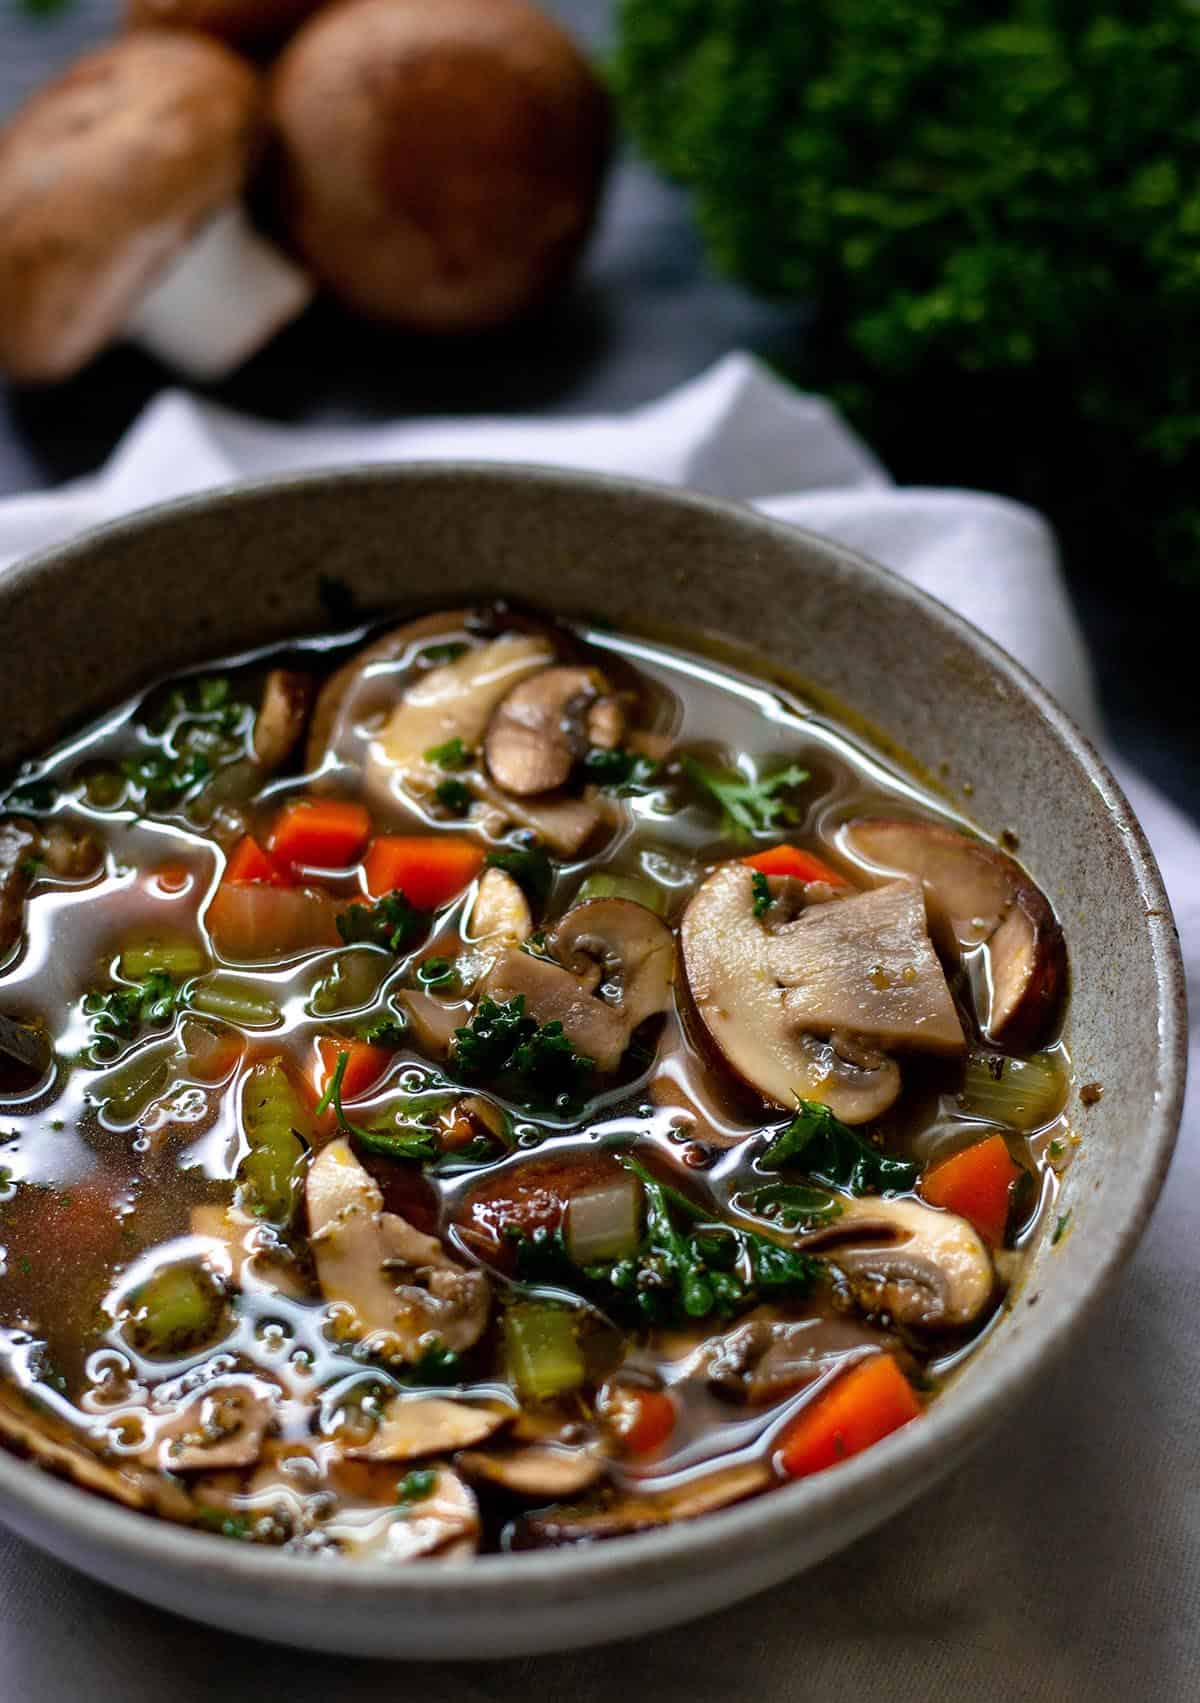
(995, 208)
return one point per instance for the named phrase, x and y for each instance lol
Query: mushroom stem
(221, 301)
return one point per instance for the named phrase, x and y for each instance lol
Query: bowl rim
(907, 1459)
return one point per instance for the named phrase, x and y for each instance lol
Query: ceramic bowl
(85, 624)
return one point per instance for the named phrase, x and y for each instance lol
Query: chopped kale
(391, 922)
(452, 755)
(620, 771)
(438, 1365)
(383, 1031)
(438, 973)
(793, 1206)
(762, 893)
(405, 1141)
(530, 868)
(120, 1013)
(531, 1063)
(417, 1485)
(160, 781)
(453, 796)
(748, 807)
(827, 1149)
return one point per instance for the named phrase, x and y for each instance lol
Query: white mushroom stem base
(221, 301)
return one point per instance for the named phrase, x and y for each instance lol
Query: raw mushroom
(810, 1007)
(279, 725)
(401, 1289)
(627, 1513)
(429, 1425)
(120, 214)
(247, 24)
(545, 725)
(913, 1263)
(438, 165)
(615, 938)
(977, 897)
(541, 1471)
(221, 1428)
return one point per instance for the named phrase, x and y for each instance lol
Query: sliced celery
(171, 954)
(542, 1349)
(1023, 1093)
(126, 1092)
(353, 981)
(233, 1001)
(175, 1311)
(634, 887)
(278, 1129)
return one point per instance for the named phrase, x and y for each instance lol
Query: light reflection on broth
(190, 1304)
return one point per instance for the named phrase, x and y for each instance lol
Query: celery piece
(176, 1311)
(126, 1092)
(1022, 1093)
(353, 981)
(173, 955)
(220, 997)
(278, 1130)
(542, 1349)
(635, 887)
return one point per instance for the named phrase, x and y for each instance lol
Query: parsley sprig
(748, 806)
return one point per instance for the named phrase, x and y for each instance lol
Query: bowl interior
(216, 574)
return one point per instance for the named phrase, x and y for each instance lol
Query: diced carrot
(643, 1419)
(326, 833)
(249, 862)
(863, 1405)
(429, 869)
(977, 1184)
(790, 860)
(365, 1065)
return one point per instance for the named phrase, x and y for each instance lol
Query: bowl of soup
(565, 1050)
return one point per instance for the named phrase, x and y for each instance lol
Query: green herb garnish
(1060, 1229)
(620, 771)
(406, 1142)
(793, 1206)
(530, 1062)
(818, 1143)
(529, 867)
(453, 796)
(384, 1031)
(438, 973)
(120, 1014)
(390, 922)
(416, 1486)
(762, 893)
(748, 807)
(452, 755)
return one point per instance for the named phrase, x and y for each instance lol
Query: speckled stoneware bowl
(85, 624)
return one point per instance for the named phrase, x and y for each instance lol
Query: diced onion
(1023, 1093)
(604, 1223)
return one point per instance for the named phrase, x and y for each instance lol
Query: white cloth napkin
(1062, 1563)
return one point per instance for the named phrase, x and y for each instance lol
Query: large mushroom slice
(623, 1514)
(810, 1008)
(908, 1262)
(541, 1472)
(120, 214)
(615, 939)
(767, 1357)
(393, 1286)
(282, 714)
(220, 1429)
(53, 1445)
(978, 897)
(542, 727)
(413, 1426)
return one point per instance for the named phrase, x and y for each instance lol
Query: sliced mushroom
(633, 949)
(444, 1524)
(431, 1020)
(622, 1515)
(563, 823)
(400, 1288)
(544, 726)
(247, 1252)
(541, 1471)
(913, 1263)
(766, 1358)
(554, 995)
(221, 1428)
(279, 725)
(53, 1445)
(977, 897)
(807, 1008)
(430, 1425)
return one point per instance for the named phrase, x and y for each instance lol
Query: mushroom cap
(105, 175)
(242, 23)
(438, 166)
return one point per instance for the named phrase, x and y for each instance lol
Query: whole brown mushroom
(120, 213)
(438, 166)
(248, 24)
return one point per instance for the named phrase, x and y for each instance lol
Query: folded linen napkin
(1060, 1565)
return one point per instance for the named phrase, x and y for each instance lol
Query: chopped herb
(452, 755)
(481, 1151)
(793, 1206)
(390, 922)
(1057, 1148)
(416, 1486)
(438, 973)
(762, 893)
(409, 1143)
(438, 1365)
(620, 771)
(828, 1150)
(534, 1064)
(435, 655)
(120, 1014)
(689, 1270)
(162, 781)
(748, 807)
(453, 796)
(1060, 1229)
(25, 1267)
(28, 868)
(385, 1031)
(224, 1523)
(529, 867)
